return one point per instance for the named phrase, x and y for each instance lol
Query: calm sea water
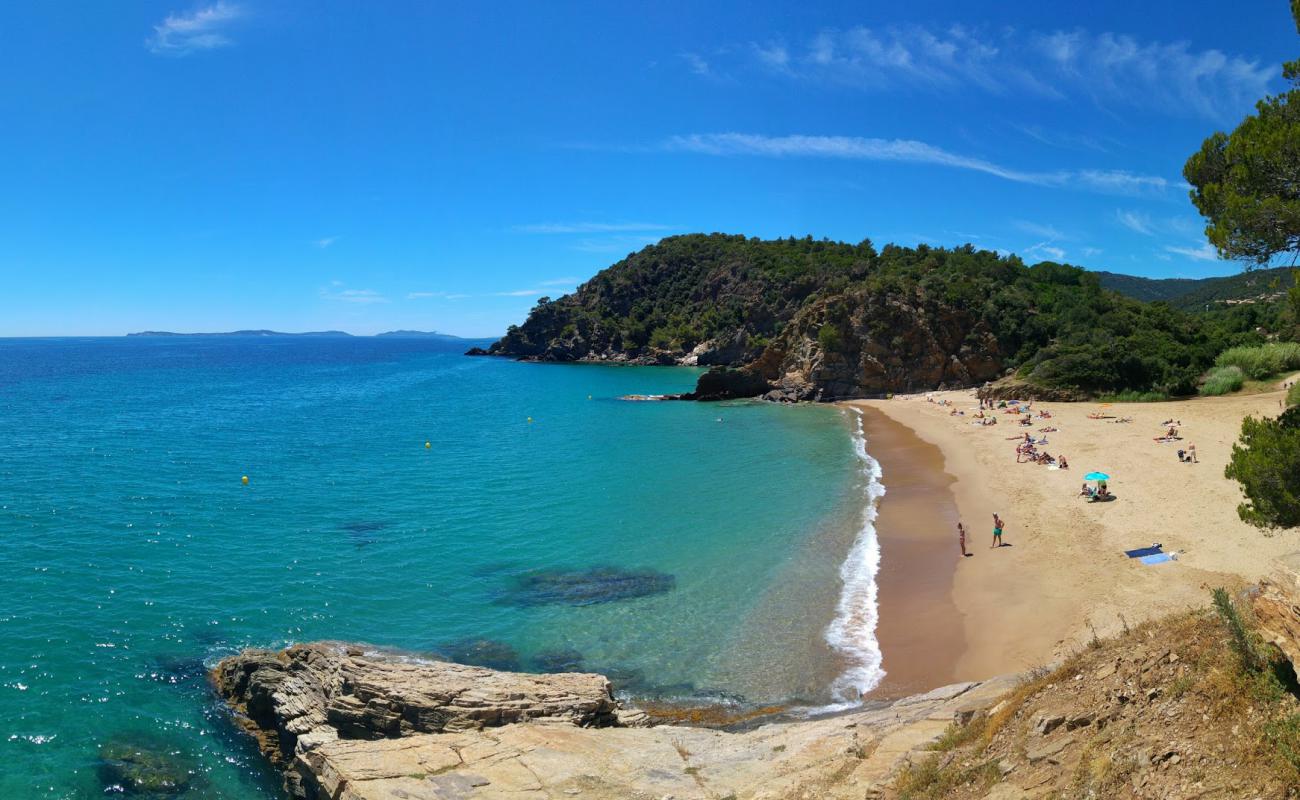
(131, 554)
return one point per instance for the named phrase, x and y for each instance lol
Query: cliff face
(864, 344)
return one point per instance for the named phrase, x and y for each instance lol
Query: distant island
(402, 334)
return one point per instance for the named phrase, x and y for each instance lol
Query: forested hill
(815, 319)
(1204, 294)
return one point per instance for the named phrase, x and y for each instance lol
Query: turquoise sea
(688, 550)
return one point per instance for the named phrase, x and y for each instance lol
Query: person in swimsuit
(961, 537)
(997, 531)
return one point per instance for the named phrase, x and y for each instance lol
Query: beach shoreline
(1063, 579)
(919, 630)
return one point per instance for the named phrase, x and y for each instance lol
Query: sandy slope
(1026, 604)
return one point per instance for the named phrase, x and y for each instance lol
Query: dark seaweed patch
(586, 587)
(358, 529)
(558, 661)
(139, 765)
(481, 653)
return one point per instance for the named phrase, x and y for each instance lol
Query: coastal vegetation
(1266, 461)
(1223, 380)
(1244, 184)
(1263, 361)
(783, 304)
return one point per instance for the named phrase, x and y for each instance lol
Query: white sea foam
(853, 630)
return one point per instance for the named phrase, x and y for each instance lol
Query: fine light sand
(1063, 575)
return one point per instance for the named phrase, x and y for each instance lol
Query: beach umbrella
(1096, 476)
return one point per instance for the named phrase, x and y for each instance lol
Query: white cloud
(908, 151)
(201, 29)
(561, 282)
(1042, 231)
(336, 291)
(1107, 68)
(697, 64)
(1045, 249)
(326, 242)
(1204, 252)
(590, 227)
(1089, 252)
(1135, 221)
(525, 293)
(435, 295)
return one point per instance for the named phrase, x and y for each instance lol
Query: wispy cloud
(560, 282)
(1135, 221)
(590, 227)
(1106, 68)
(613, 244)
(1203, 252)
(435, 295)
(201, 29)
(326, 242)
(339, 292)
(1045, 249)
(1039, 229)
(697, 64)
(909, 151)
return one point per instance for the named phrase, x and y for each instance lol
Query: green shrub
(1238, 635)
(1266, 462)
(829, 338)
(1293, 395)
(1222, 380)
(1132, 396)
(1263, 361)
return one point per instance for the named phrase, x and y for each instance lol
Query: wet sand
(1065, 574)
(920, 631)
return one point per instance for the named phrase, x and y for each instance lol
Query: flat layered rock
(347, 723)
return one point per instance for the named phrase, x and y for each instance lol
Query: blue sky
(370, 166)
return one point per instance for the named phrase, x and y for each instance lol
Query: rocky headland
(800, 319)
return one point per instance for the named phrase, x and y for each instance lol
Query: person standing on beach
(997, 531)
(961, 538)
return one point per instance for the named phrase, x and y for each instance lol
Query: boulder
(721, 383)
(1277, 608)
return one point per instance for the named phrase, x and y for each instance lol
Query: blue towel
(1158, 558)
(1142, 551)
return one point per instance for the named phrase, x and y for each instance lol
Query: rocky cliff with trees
(810, 319)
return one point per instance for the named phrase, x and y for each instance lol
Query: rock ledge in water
(348, 724)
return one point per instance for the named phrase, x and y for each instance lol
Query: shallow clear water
(130, 552)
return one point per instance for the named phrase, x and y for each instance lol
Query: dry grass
(1241, 714)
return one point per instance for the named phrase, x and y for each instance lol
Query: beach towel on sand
(1143, 551)
(1158, 558)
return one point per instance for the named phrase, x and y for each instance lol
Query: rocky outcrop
(871, 343)
(349, 724)
(1277, 608)
(307, 696)
(721, 383)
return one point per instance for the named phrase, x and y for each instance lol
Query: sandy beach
(1063, 574)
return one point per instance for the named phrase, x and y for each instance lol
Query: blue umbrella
(1096, 476)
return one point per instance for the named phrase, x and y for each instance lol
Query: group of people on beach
(997, 534)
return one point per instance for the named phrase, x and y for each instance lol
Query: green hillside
(821, 319)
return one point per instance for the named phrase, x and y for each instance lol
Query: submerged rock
(176, 670)
(558, 661)
(140, 767)
(358, 529)
(481, 653)
(587, 587)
